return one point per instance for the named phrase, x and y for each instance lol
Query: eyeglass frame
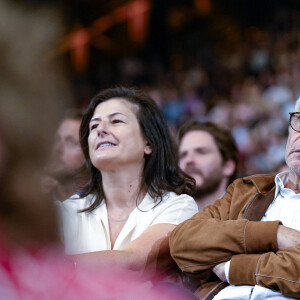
(291, 116)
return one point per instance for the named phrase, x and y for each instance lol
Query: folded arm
(145, 256)
(279, 271)
(210, 237)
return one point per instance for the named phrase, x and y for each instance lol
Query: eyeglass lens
(295, 121)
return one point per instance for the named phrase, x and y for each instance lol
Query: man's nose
(189, 160)
(58, 146)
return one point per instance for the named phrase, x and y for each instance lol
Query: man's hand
(219, 270)
(287, 237)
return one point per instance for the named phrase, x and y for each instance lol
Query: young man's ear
(229, 167)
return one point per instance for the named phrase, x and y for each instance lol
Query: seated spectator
(209, 154)
(136, 195)
(247, 244)
(64, 173)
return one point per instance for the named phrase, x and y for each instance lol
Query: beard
(208, 187)
(211, 182)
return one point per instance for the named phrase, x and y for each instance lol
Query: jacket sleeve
(209, 237)
(279, 271)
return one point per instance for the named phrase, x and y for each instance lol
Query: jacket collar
(263, 182)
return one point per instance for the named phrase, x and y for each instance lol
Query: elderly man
(247, 244)
(209, 154)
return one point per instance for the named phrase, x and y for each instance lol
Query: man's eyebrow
(110, 116)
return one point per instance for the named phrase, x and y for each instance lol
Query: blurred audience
(243, 78)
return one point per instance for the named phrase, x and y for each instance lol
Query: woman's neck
(122, 189)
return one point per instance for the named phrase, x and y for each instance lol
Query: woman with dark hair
(136, 194)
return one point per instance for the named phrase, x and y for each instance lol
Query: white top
(89, 232)
(285, 207)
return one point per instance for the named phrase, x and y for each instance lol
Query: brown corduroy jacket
(231, 229)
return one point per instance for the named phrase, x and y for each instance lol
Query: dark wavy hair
(222, 137)
(161, 172)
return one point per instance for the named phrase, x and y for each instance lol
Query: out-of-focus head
(32, 94)
(207, 153)
(292, 153)
(67, 157)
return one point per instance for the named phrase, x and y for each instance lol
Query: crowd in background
(246, 82)
(245, 79)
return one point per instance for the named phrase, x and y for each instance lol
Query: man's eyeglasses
(295, 120)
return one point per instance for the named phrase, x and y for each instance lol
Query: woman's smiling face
(115, 137)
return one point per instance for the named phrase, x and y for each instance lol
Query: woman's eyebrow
(109, 116)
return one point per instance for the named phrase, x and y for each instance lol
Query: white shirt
(285, 207)
(89, 232)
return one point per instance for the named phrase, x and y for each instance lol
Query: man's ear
(229, 167)
(148, 149)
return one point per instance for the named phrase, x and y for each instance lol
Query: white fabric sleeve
(175, 209)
